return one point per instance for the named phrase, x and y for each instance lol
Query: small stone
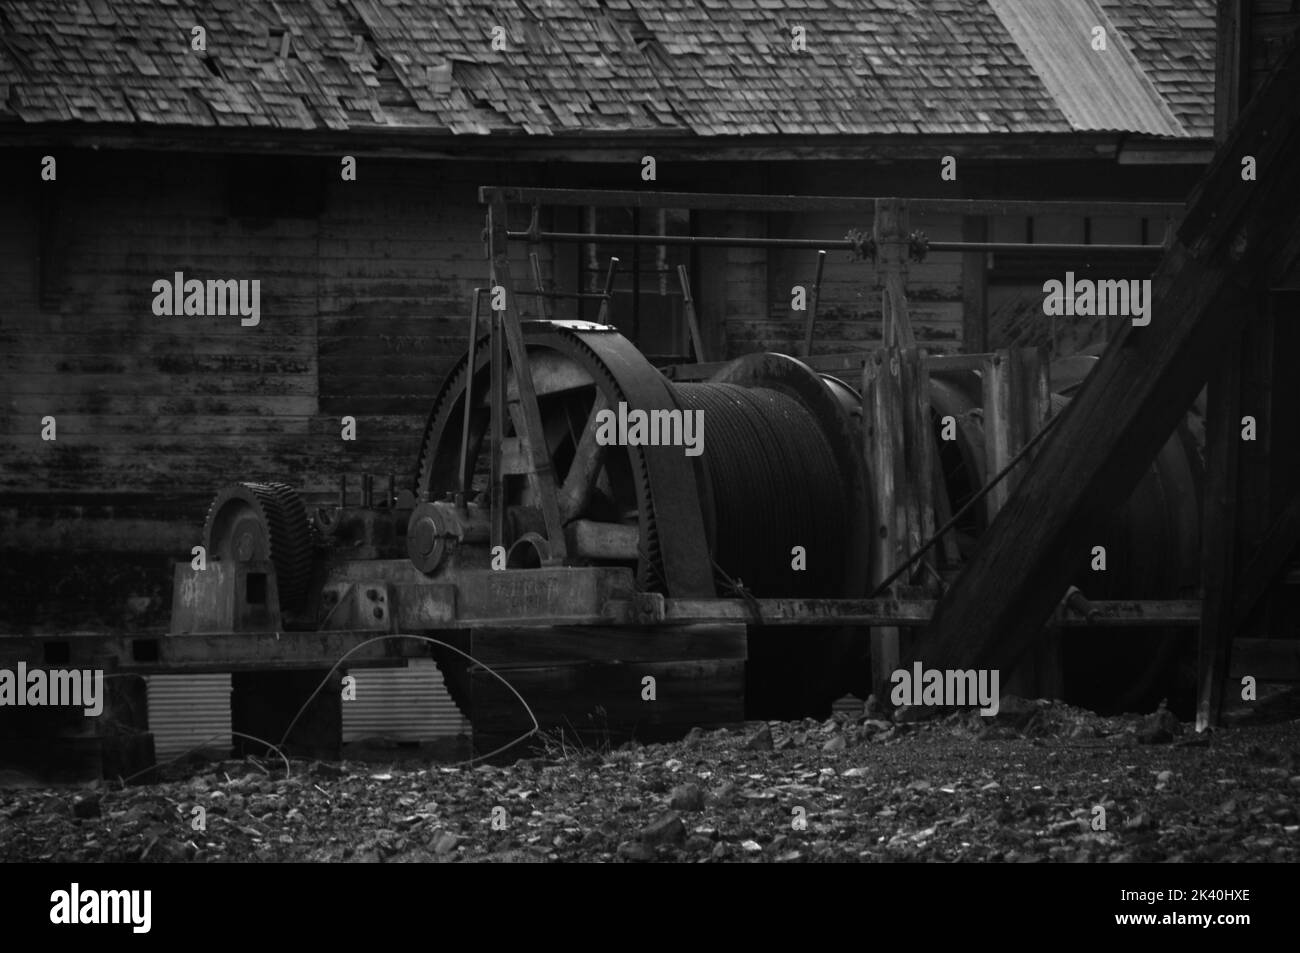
(686, 797)
(836, 743)
(1159, 727)
(761, 740)
(786, 742)
(1163, 778)
(446, 843)
(667, 829)
(635, 852)
(694, 736)
(1014, 712)
(751, 846)
(909, 714)
(698, 842)
(86, 806)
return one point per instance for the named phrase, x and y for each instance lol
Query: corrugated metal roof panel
(1097, 90)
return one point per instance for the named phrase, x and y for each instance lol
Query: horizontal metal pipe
(1041, 247)
(737, 202)
(817, 243)
(718, 240)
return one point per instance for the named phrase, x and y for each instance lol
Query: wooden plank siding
(361, 314)
(364, 289)
(848, 312)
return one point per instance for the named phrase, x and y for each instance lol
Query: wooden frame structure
(1016, 392)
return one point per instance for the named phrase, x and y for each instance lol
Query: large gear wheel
(572, 361)
(263, 521)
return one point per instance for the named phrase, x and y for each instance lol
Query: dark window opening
(646, 304)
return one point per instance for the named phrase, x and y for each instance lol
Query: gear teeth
(288, 530)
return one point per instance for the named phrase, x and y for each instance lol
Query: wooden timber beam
(1141, 387)
(507, 324)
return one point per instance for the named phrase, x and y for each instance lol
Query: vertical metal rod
(636, 277)
(367, 490)
(811, 320)
(343, 490)
(692, 322)
(602, 316)
(536, 263)
(392, 489)
(463, 474)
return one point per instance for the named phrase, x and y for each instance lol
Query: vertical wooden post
(465, 473)
(883, 422)
(890, 229)
(999, 425)
(1219, 535)
(542, 476)
(496, 437)
(919, 448)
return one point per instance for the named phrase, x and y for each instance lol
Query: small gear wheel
(263, 521)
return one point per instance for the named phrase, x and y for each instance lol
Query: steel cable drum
(782, 467)
(1151, 544)
(774, 486)
(1152, 547)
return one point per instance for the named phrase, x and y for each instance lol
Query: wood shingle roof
(701, 67)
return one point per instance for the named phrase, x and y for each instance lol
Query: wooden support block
(589, 539)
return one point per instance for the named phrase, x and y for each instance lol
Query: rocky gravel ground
(1039, 782)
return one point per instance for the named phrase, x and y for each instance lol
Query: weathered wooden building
(141, 140)
(225, 163)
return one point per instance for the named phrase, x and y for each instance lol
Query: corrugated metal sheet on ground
(409, 704)
(1096, 89)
